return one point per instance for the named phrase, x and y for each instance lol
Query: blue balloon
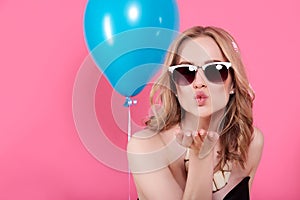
(128, 39)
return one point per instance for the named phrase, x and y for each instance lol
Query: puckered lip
(200, 95)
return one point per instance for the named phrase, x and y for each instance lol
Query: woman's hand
(201, 142)
(201, 162)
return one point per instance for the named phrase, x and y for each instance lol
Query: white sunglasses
(185, 74)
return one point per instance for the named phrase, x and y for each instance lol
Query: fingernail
(195, 133)
(202, 132)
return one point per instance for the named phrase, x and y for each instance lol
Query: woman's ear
(175, 93)
(232, 90)
(174, 90)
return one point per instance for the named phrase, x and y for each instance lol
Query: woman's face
(202, 98)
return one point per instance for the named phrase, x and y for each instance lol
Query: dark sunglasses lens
(216, 73)
(183, 76)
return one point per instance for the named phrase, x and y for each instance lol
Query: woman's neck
(191, 122)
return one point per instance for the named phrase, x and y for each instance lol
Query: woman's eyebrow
(210, 61)
(186, 62)
(191, 63)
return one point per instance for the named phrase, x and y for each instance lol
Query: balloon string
(129, 125)
(128, 103)
(128, 138)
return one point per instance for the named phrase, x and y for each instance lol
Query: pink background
(41, 49)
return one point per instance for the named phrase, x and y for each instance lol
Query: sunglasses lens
(216, 73)
(183, 76)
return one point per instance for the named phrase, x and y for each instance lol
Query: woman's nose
(199, 81)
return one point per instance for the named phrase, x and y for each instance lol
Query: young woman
(200, 142)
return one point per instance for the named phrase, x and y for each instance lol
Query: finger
(179, 137)
(202, 134)
(197, 138)
(187, 139)
(213, 136)
(208, 144)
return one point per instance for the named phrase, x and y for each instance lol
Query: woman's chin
(202, 114)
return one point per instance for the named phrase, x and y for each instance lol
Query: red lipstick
(200, 98)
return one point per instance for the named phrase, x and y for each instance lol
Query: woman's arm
(149, 164)
(200, 176)
(157, 185)
(155, 181)
(201, 162)
(255, 153)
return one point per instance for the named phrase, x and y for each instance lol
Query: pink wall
(41, 50)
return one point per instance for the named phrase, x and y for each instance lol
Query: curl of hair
(236, 132)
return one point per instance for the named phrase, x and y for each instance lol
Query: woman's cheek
(219, 98)
(185, 98)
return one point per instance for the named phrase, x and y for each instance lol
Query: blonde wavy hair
(236, 132)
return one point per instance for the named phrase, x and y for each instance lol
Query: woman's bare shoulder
(144, 141)
(258, 139)
(255, 153)
(255, 150)
(148, 140)
(146, 152)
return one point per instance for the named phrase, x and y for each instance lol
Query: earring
(231, 92)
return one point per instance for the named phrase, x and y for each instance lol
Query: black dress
(240, 191)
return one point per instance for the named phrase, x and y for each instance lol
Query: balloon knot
(129, 102)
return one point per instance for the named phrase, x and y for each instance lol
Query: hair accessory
(235, 47)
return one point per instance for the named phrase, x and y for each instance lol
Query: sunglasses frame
(203, 67)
